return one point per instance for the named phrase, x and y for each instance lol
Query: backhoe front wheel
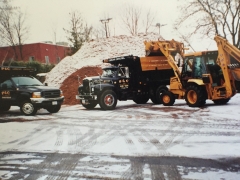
(195, 96)
(167, 98)
(108, 100)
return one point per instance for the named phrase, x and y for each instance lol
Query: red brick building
(42, 52)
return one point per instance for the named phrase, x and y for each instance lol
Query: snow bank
(92, 53)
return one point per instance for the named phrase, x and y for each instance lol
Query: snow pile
(92, 53)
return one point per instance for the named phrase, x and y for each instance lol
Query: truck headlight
(36, 94)
(61, 93)
(92, 89)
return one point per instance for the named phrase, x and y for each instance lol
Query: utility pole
(159, 26)
(105, 21)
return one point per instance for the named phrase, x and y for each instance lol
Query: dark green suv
(19, 88)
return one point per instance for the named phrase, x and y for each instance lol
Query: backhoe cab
(205, 75)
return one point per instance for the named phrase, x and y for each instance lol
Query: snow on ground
(222, 122)
(92, 53)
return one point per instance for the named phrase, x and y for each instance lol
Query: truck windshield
(26, 81)
(109, 72)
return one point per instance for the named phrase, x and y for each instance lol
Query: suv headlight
(36, 94)
(61, 93)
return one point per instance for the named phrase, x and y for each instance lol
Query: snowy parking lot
(131, 142)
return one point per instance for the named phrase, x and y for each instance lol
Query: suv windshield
(26, 81)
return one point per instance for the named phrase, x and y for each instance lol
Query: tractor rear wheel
(195, 96)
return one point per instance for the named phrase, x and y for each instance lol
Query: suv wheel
(54, 109)
(28, 109)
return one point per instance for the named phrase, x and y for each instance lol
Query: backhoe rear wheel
(195, 96)
(167, 98)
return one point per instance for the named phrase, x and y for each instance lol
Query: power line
(105, 21)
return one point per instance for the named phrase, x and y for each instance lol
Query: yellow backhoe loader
(205, 75)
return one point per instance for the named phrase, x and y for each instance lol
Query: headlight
(36, 94)
(61, 93)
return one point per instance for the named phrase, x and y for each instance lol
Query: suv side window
(8, 83)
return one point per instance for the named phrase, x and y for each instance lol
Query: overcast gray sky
(48, 16)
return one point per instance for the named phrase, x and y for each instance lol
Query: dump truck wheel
(141, 99)
(159, 91)
(90, 106)
(54, 109)
(195, 96)
(221, 101)
(28, 109)
(4, 108)
(167, 98)
(108, 100)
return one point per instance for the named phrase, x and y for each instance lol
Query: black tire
(141, 99)
(195, 96)
(167, 98)
(108, 100)
(89, 106)
(159, 91)
(28, 109)
(221, 101)
(4, 108)
(54, 109)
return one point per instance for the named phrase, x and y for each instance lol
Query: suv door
(7, 92)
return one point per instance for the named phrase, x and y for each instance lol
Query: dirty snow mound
(92, 53)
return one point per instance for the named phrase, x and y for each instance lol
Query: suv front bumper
(42, 102)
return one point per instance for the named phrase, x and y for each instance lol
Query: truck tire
(90, 106)
(159, 91)
(167, 98)
(221, 101)
(28, 109)
(54, 109)
(4, 108)
(195, 96)
(141, 99)
(108, 100)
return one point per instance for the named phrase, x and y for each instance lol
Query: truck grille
(51, 94)
(86, 86)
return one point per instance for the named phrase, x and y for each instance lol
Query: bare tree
(131, 19)
(78, 31)
(21, 31)
(135, 19)
(13, 28)
(211, 17)
(148, 20)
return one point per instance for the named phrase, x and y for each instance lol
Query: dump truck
(19, 88)
(205, 75)
(126, 78)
